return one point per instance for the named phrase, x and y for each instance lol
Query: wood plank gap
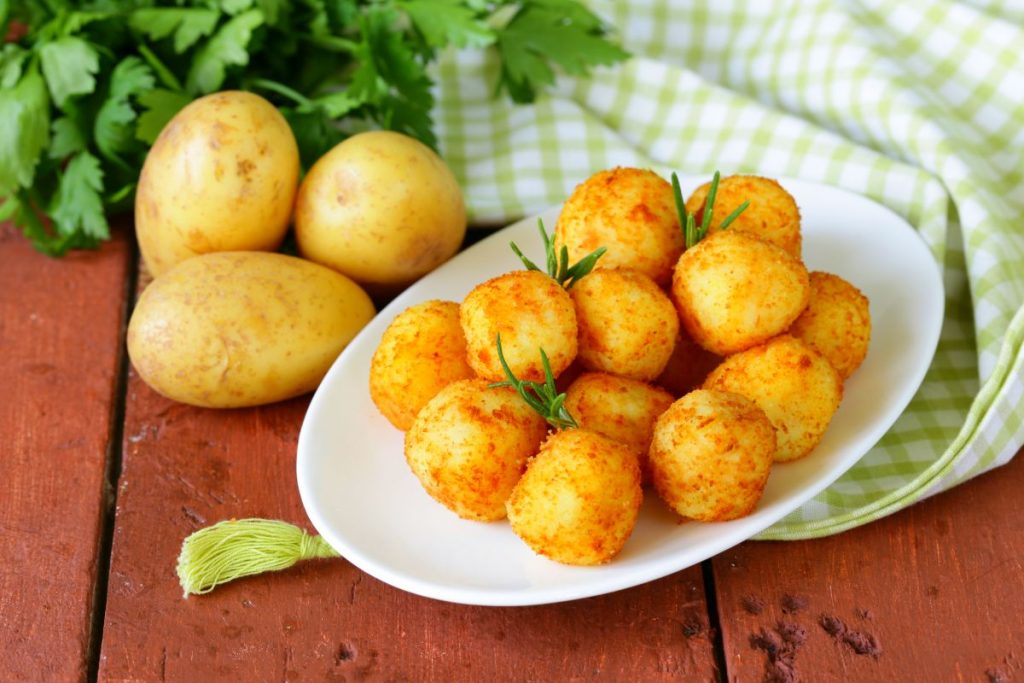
(115, 455)
(714, 620)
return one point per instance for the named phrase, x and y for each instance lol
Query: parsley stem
(280, 89)
(163, 73)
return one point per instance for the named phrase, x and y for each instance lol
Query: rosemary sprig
(691, 232)
(558, 265)
(543, 397)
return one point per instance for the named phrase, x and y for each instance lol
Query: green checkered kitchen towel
(918, 105)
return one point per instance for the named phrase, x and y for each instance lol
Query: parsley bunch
(86, 86)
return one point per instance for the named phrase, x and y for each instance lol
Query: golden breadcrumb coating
(627, 325)
(421, 352)
(621, 409)
(836, 322)
(531, 312)
(469, 445)
(632, 212)
(711, 455)
(734, 291)
(792, 383)
(579, 499)
(772, 215)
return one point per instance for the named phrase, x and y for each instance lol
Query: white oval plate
(362, 498)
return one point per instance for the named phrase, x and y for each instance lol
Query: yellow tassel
(243, 547)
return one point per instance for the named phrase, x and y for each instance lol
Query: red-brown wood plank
(185, 468)
(940, 586)
(61, 325)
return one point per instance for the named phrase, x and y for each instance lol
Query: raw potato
(234, 329)
(734, 291)
(630, 211)
(579, 499)
(531, 312)
(622, 409)
(421, 352)
(792, 383)
(382, 208)
(687, 367)
(221, 176)
(469, 445)
(711, 455)
(772, 215)
(836, 323)
(627, 325)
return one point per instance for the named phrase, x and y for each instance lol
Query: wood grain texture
(61, 325)
(185, 468)
(940, 587)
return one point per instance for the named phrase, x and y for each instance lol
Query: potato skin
(221, 176)
(711, 455)
(469, 445)
(382, 208)
(630, 211)
(734, 291)
(622, 409)
(421, 352)
(579, 499)
(627, 325)
(836, 322)
(531, 312)
(232, 329)
(792, 383)
(772, 215)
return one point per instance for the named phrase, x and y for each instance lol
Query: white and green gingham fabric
(918, 105)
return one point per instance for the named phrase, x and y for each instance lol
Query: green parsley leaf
(314, 132)
(338, 104)
(12, 57)
(113, 130)
(391, 79)
(444, 22)
(77, 207)
(66, 138)
(160, 107)
(187, 24)
(235, 6)
(24, 131)
(68, 65)
(9, 205)
(226, 48)
(26, 217)
(550, 31)
(274, 10)
(76, 21)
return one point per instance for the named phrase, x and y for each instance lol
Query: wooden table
(103, 479)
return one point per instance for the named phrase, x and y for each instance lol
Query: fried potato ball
(421, 352)
(734, 291)
(627, 325)
(772, 215)
(622, 409)
(687, 367)
(469, 445)
(711, 455)
(792, 383)
(531, 312)
(579, 499)
(836, 322)
(631, 211)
